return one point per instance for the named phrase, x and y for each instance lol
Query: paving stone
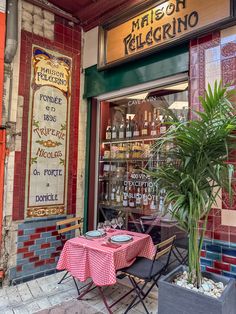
(35, 289)
(4, 301)
(33, 307)
(44, 294)
(24, 292)
(14, 296)
(3, 291)
(8, 311)
(72, 307)
(21, 310)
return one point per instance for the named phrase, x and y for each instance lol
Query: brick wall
(38, 243)
(213, 57)
(38, 249)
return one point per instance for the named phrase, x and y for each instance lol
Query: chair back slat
(74, 227)
(165, 242)
(163, 252)
(69, 224)
(68, 221)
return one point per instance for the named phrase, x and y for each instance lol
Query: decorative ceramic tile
(228, 34)
(228, 50)
(212, 54)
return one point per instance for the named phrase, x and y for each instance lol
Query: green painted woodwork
(87, 158)
(162, 64)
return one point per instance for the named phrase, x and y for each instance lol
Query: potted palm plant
(195, 171)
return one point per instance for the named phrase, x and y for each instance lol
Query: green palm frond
(197, 165)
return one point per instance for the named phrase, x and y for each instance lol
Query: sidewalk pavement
(44, 296)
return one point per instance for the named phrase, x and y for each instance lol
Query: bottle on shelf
(138, 199)
(108, 130)
(163, 127)
(131, 197)
(106, 196)
(136, 132)
(145, 199)
(113, 192)
(128, 133)
(114, 132)
(118, 195)
(153, 126)
(122, 195)
(121, 130)
(161, 200)
(125, 197)
(152, 201)
(144, 131)
(127, 150)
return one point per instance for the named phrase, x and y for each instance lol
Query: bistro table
(99, 260)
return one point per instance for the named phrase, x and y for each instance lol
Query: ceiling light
(138, 96)
(179, 105)
(181, 86)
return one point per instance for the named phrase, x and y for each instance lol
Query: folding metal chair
(180, 250)
(63, 227)
(144, 271)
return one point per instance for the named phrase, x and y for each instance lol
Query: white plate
(121, 238)
(94, 234)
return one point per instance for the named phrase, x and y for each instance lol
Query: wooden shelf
(132, 139)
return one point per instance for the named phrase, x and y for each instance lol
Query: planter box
(178, 300)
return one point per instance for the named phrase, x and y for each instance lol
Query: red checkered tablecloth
(85, 259)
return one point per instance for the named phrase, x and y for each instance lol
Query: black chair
(180, 249)
(144, 271)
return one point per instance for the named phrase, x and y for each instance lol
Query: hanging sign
(160, 26)
(47, 153)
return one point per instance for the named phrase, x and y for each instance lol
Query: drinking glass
(100, 227)
(120, 222)
(114, 223)
(107, 225)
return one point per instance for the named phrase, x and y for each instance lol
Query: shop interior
(130, 126)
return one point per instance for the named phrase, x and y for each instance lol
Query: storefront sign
(159, 26)
(47, 155)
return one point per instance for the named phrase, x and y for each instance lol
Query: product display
(129, 130)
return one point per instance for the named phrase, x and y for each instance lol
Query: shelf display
(128, 131)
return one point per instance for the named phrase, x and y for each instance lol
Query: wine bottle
(114, 132)
(153, 127)
(106, 197)
(144, 131)
(125, 198)
(145, 199)
(138, 198)
(129, 128)
(136, 131)
(118, 197)
(121, 132)
(108, 130)
(113, 191)
(131, 198)
(163, 127)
